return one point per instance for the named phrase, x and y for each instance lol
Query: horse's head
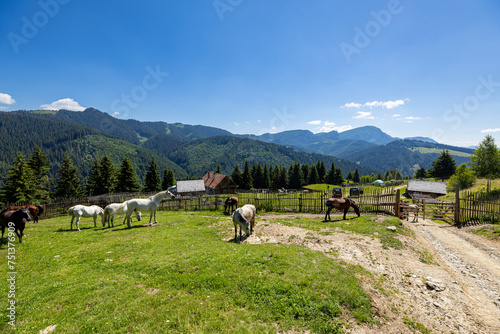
(25, 213)
(171, 195)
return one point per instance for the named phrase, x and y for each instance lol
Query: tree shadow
(75, 229)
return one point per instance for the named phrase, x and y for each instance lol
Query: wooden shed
(219, 184)
(190, 188)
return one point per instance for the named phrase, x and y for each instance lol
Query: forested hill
(57, 133)
(201, 155)
(406, 155)
(130, 130)
(21, 133)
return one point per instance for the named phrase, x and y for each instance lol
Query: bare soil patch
(466, 269)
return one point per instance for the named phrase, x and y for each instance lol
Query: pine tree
(399, 176)
(168, 179)
(283, 182)
(107, 176)
(443, 167)
(485, 162)
(330, 175)
(40, 167)
(93, 179)
(236, 175)
(313, 175)
(339, 178)
(421, 173)
(275, 178)
(321, 171)
(266, 178)
(246, 178)
(218, 169)
(152, 182)
(258, 176)
(296, 179)
(305, 173)
(355, 176)
(67, 181)
(127, 181)
(19, 185)
(349, 176)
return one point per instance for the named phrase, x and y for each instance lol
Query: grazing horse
(143, 204)
(245, 218)
(15, 219)
(79, 211)
(110, 213)
(340, 204)
(231, 202)
(405, 208)
(35, 211)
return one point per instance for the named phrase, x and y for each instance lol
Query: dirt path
(465, 297)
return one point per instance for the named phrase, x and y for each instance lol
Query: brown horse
(340, 204)
(15, 219)
(231, 202)
(35, 211)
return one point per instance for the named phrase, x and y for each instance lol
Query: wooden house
(219, 184)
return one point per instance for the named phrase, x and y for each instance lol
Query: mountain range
(192, 150)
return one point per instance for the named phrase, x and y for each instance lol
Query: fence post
(423, 209)
(457, 205)
(398, 199)
(300, 203)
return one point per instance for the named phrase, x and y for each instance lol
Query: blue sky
(411, 68)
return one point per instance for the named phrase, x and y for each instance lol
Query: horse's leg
(345, 212)
(95, 220)
(72, 218)
(78, 223)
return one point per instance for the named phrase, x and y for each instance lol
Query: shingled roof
(427, 187)
(219, 182)
(190, 186)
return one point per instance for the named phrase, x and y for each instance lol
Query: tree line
(28, 179)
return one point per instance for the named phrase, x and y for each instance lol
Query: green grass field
(179, 276)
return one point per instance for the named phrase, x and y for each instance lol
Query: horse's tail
(70, 211)
(39, 210)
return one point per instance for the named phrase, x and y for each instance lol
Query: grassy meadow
(180, 276)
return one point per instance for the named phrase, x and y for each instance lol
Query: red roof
(213, 180)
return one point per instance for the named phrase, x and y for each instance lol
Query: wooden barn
(429, 189)
(219, 184)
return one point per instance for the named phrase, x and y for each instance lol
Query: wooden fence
(479, 208)
(468, 208)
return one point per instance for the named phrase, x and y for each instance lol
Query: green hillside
(199, 156)
(22, 133)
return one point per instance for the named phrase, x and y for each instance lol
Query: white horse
(110, 213)
(144, 205)
(79, 211)
(245, 218)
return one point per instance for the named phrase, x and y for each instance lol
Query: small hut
(190, 188)
(429, 189)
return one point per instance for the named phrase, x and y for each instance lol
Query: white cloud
(490, 130)
(396, 115)
(67, 104)
(3, 108)
(331, 126)
(364, 115)
(352, 105)
(384, 104)
(236, 123)
(6, 99)
(314, 122)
